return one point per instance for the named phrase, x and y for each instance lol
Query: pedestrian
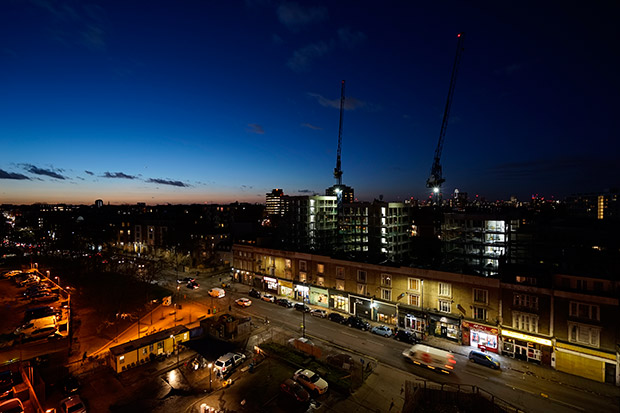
(229, 307)
(391, 405)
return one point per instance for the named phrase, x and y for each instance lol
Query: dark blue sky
(205, 101)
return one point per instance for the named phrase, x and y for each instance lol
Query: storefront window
(341, 303)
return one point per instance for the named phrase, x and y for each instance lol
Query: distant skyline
(216, 102)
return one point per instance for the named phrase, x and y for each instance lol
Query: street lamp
(210, 366)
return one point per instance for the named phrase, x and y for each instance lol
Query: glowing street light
(210, 367)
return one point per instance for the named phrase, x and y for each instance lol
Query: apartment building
(458, 307)
(586, 313)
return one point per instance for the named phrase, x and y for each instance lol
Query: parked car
(357, 322)
(193, 285)
(284, 302)
(337, 317)
(384, 331)
(254, 293)
(406, 336)
(484, 358)
(317, 312)
(12, 406)
(72, 404)
(40, 312)
(295, 390)
(311, 381)
(46, 297)
(243, 302)
(185, 280)
(227, 363)
(302, 307)
(70, 385)
(11, 274)
(268, 297)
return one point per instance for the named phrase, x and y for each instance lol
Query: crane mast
(436, 178)
(337, 169)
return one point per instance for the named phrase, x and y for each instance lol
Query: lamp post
(210, 366)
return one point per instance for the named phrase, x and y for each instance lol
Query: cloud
(89, 173)
(350, 39)
(254, 128)
(117, 175)
(295, 16)
(167, 182)
(349, 102)
(301, 59)
(12, 175)
(310, 126)
(307, 191)
(246, 187)
(46, 172)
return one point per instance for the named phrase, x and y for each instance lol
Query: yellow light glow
(525, 337)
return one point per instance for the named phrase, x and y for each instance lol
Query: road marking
(567, 404)
(348, 334)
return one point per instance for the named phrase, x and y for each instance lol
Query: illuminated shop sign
(525, 337)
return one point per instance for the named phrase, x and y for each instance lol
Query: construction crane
(436, 178)
(337, 169)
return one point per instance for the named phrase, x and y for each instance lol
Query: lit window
(445, 289)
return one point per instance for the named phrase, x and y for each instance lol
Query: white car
(268, 297)
(310, 380)
(72, 404)
(243, 302)
(317, 312)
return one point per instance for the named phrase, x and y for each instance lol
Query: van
(33, 326)
(431, 357)
(217, 292)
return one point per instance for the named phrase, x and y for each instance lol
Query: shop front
(256, 281)
(384, 312)
(590, 363)
(271, 284)
(526, 347)
(339, 300)
(302, 292)
(319, 296)
(445, 327)
(411, 319)
(480, 336)
(360, 306)
(286, 288)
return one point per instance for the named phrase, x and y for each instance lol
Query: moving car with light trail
(431, 357)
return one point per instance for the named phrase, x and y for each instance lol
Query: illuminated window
(287, 263)
(303, 276)
(121, 360)
(320, 281)
(386, 280)
(413, 284)
(320, 268)
(362, 289)
(414, 300)
(340, 285)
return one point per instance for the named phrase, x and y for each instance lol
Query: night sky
(220, 101)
